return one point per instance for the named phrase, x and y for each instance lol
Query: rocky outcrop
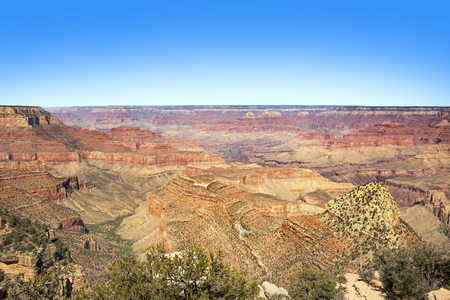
(155, 207)
(25, 117)
(371, 201)
(61, 190)
(73, 224)
(31, 192)
(134, 135)
(91, 244)
(441, 294)
(271, 290)
(438, 203)
(41, 183)
(285, 183)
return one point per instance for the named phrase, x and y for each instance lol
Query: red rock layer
(73, 224)
(163, 159)
(34, 207)
(386, 133)
(134, 135)
(62, 190)
(439, 133)
(20, 141)
(40, 182)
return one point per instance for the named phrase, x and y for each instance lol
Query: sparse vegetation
(96, 263)
(311, 284)
(191, 274)
(410, 273)
(46, 286)
(23, 235)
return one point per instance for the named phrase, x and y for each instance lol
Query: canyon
(275, 188)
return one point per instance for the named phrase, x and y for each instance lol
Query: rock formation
(25, 117)
(134, 135)
(439, 204)
(91, 244)
(73, 224)
(285, 183)
(386, 133)
(34, 143)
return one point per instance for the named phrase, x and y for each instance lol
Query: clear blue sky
(343, 52)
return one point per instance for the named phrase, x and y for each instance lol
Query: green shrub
(189, 275)
(311, 284)
(410, 273)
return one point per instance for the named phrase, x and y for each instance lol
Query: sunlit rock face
(73, 224)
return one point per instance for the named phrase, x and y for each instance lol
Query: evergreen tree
(189, 275)
(311, 284)
(410, 273)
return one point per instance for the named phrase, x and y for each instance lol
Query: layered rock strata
(328, 118)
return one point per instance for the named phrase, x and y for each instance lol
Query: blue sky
(339, 52)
